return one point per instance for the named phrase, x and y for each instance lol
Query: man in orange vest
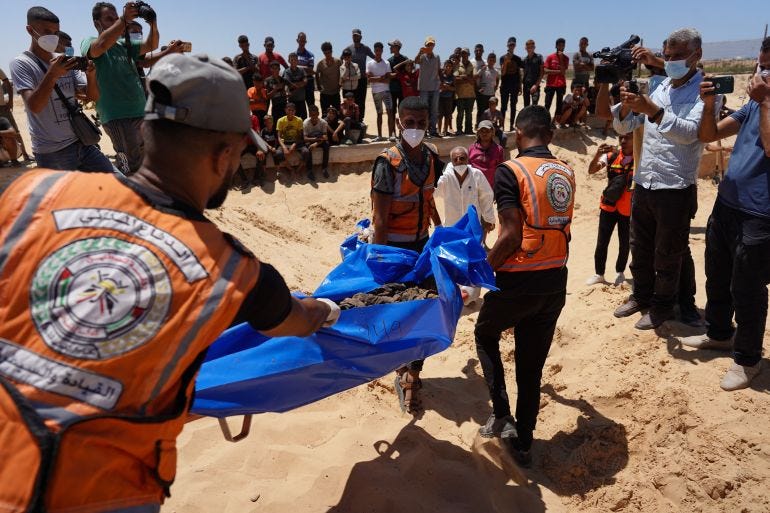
(404, 178)
(535, 197)
(615, 205)
(112, 290)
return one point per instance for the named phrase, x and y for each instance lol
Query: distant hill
(747, 48)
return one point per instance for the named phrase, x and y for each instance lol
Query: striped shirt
(671, 151)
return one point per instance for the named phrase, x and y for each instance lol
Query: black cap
(243, 39)
(511, 40)
(269, 39)
(346, 51)
(377, 45)
(350, 94)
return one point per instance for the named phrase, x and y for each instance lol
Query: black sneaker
(326, 173)
(504, 427)
(311, 176)
(690, 316)
(654, 319)
(630, 307)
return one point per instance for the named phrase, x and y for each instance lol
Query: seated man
(575, 107)
(9, 146)
(315, 134)
(497, 118)
(334, 126)
(351, 118)
(289, 130)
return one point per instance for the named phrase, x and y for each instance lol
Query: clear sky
(213, 26)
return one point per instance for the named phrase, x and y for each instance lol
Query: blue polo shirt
(746, 185)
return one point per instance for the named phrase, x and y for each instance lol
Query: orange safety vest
(412, 204)
(547, 194)
(107, 306)
(616, 168)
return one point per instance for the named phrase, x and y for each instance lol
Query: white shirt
(475, 191)
(378, 69)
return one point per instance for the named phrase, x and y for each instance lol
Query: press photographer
(665, 197)
(115, 53)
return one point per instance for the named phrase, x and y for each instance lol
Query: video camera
(616, 63)
(146, 12)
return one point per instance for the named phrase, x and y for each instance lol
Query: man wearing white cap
(115, 287)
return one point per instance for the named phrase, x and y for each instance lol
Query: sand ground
(630, 421)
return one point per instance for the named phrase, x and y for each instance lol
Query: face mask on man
(461, 169)
(47, 43)
(413, 136)
(677, 69)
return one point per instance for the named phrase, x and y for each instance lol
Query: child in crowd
(575, 107)
(407, 77)
(351, 118)
(335, 126)
(446, 97)
(258, 98)
(496, 117)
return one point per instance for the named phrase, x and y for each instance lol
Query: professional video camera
(146, 12)
(616, 62)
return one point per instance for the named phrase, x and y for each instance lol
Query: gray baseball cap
(485, 124)
(200, 92)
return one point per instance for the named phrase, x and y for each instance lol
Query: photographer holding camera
(121, 104)
(45, 82)
(665, 197)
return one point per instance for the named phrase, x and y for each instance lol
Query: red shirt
(556, 79)
(408, 83)
(487, 160)
(265, 60)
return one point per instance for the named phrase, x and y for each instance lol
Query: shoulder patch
(238, 245)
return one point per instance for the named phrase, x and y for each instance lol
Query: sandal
(408, 385)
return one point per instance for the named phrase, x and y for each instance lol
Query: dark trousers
(607, 222)
(304, 154)
(397, 97)
(416, 245)
(325, 159)
(278, 109)
(660, 230)
(330, 100)
(549, 92)
(310, 92)
(482, 104)
(301, 110)
(509, 91)
(464, 112)
(737, 275)
(360, 94)
(533, 319)
(530, 99)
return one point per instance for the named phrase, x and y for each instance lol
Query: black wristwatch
(657, 116)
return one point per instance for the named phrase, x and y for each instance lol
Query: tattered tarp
(246, 372)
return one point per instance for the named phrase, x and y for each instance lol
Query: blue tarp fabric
(246, 372)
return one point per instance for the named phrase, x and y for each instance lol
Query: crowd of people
(116, 283)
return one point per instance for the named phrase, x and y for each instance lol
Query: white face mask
(135, 36)
(413, 136)
(461, 168)
(47, 43)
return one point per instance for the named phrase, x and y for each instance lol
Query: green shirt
(121, 94)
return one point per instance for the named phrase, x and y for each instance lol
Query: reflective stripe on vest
(623, 205)
(106, 308)
(546, 191)
(411, 204)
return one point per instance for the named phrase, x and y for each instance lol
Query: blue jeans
(431, 98)
(76, 157)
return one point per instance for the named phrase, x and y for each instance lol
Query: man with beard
(114, 289)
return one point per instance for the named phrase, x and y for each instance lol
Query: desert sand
(630, 421)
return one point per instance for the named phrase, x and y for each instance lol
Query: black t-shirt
(270, 136)
(269, 303)
(507, 195)
(244, 61)
(395, 60)
(531, 67)
(513, 70)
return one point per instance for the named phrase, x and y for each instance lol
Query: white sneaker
(619, 279)
(706, 342)
(595, 279)
(739, 376)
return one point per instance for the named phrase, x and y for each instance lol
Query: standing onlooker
(534, 69)
(446, 98)
(487, 80)
(510, 81)
(6, 111)
(485, 154)
(535, 196)
(614, 206)
(36, 75)
(275, 90)
(359, 52)
(378, 72)
(429, 80)
(268, 57)
(121, 100)
(478, 65)
(738, 231)
(328, 75)
(394, 60)
(465, 89)
(295, 83)
(350, 73)
(583, 64)
(462, 185)
(306, 62)
(316, 134)
(665, 196)
(246, 62)
(555, 68)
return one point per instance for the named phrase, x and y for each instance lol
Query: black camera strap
(72, 110)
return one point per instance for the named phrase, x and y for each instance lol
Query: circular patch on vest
(99, 298)
(559, 192)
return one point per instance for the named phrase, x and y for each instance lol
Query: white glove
(334, 313)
